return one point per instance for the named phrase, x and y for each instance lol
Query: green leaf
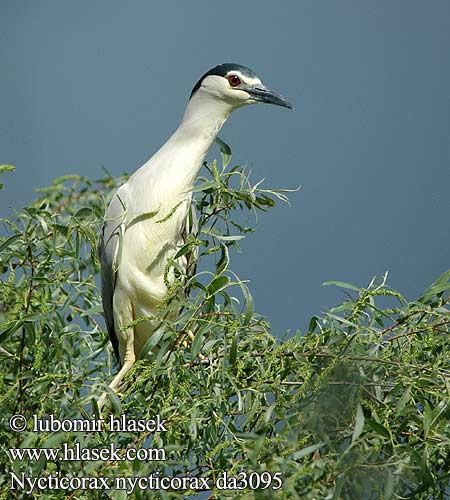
(10, 240)
(184, 250)
(389, 485)
(120, 495)
(359, 423)
(224, 259)
(440, 285)
(98, 309)
(197, 284)
(307, 451)
(233, 351)
(406, 396)
(341, 284)
(198, 341)
(143, 217)
(217, 234)
(378, 428)
(9, 331)
(152, 342)
(431, 415)
(7, 168)
(313, 323)
(170, 214)
(338, 488)
(115, 401)
(249, 303)
(204, 186)
(83, 212)
(218, 284)
(225, 152)
(61, 228)
(234, 237)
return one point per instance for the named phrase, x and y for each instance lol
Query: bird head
(237, 86)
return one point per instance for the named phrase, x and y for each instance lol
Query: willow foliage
(356, 408)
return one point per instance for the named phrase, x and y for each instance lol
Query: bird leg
(128, 361)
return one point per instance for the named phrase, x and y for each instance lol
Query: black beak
(263, 94)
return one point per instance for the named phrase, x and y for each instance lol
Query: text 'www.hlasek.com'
(74, 452)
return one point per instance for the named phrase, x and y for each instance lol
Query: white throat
(202, 121)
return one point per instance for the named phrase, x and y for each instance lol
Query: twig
(22, 340)
(414, 332)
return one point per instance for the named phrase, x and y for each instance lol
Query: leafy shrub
(356, 408)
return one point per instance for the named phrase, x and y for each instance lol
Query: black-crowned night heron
(135, 245)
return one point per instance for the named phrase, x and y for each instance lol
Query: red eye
(234, 80)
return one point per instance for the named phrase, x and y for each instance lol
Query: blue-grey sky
(105, 82)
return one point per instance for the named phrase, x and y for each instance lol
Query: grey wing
(108, 254)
